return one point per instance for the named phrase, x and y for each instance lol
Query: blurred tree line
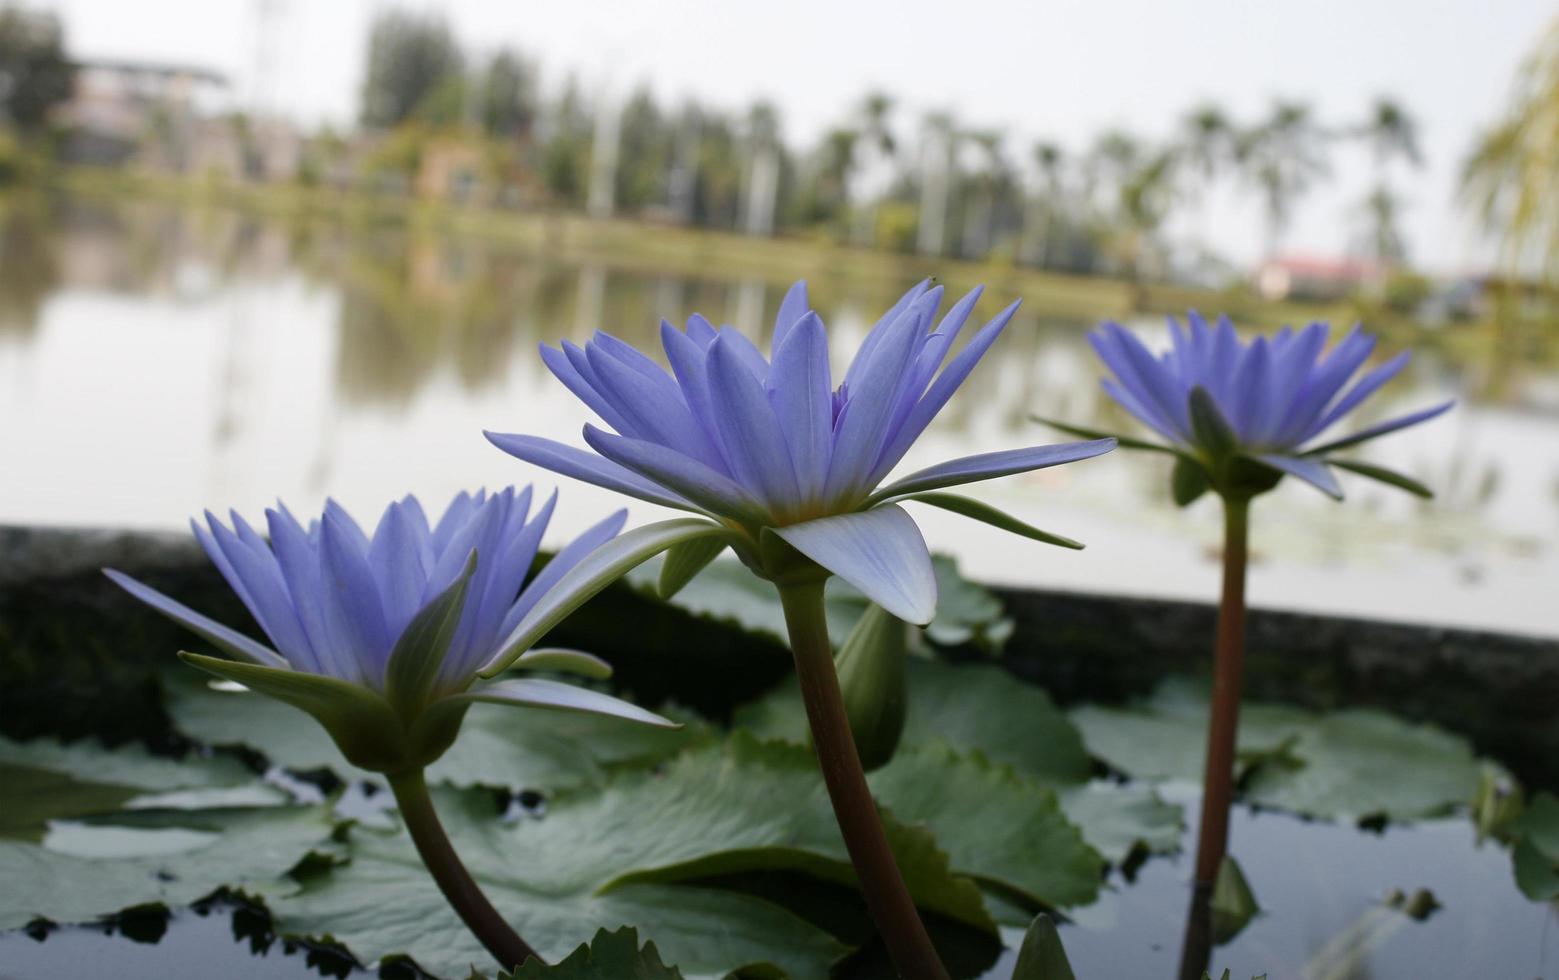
(938, 185)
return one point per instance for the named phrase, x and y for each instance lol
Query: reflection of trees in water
(29, 265)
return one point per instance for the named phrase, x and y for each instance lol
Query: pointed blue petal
(586, 466)
(750, 433)
(711, 491)
(1381, 428)
(988, 466)
(861, 429)
(792, 308)
(1313, 471)
(351, 602)
(801, 391)
(654, 405)
(230, 641)
(571, 554)
(1365, 387)
(941, 390)
(879, 551)
(562, 366)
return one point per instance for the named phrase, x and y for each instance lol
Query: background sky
(1057, 69)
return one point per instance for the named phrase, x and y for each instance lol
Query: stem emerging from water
(460, 890)
(1228, 677)
(887, 897)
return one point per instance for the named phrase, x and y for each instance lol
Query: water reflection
(155, 361)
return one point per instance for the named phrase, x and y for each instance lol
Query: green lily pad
(1350, 764)
(972, 706)
(86, 870)
(498, 745)
(616, 955)
(1002, 829)
(620, 855)
(982, 708)
(726, 591)
(1535, 850)
(44, 779)
(1122, 819)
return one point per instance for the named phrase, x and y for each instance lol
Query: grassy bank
(696, 252)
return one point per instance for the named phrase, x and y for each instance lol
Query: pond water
(155, 361)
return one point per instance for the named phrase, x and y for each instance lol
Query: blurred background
(253, 249)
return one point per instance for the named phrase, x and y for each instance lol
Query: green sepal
(1041, 957)
(1188, 480)
(1233, 903)
(414, 663)
(1241, 478)
(872, 680)
(1125, 442)
(1383, 475)
(565, 662)
(364, 726)
(985, 513)
(1209, 428)
(683, 561)
(595, 572)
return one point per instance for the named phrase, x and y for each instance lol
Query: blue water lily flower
(380, 636)
(789, 460)
(1241, 415)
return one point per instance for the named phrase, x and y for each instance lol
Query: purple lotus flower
(1222, 403)
(380, 636)
(775, 446)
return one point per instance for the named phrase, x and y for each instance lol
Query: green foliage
(95, 867)
(498, 746)
(1041, 956)
(1233, 905)
(726, 592)
(35, 73)
(983, 714)
(1535, 848)
(409, 57)
(609, 956)
(1354, 763)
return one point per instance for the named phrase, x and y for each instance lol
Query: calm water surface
(155, 362)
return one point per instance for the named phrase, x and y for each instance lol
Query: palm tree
(938, 141)
(1383, 239)
(1040, 219)
(980, 218)
(874, 144)
(1283, 156)
(763, 169)
(1510, 176)
(1135, 186)
(1208, 144)
(1390, 132)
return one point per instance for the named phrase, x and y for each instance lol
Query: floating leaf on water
(44, 779)
(619, 854)
(1350, 764)
(196, 853)
(1535, 852)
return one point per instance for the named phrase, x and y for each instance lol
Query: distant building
(1317, 279)
(124, 110)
